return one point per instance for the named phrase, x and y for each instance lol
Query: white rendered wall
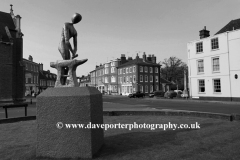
(234, 58)
(208, 74)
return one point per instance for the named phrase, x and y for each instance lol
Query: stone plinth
(69, 105)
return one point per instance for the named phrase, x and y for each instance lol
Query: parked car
(151, 95)
(170, 94)
(137, 94)
(159, 93)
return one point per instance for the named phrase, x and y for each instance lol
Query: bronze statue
(68, 32)
(67, 66)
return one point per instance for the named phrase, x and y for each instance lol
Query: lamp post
(159, 73)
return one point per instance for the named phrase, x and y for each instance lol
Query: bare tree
(173, 70)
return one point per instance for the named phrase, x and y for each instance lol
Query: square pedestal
(69, 105)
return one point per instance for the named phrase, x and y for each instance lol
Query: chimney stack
(137, 57)
(40, 67)
(123, 59)
(154, 59)
(144, 57)
(204, 33)
(30, 58)
(149, 58)
(129, 58)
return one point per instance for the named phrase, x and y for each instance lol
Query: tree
(173, 70)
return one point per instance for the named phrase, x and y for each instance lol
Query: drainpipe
(229, 68)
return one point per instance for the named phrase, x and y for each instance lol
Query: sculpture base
(72, 105)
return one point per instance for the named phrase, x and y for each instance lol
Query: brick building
(31, 76)
(84, 81)
(139, 74)
(11, 53)
(46, 78)
(127, 75)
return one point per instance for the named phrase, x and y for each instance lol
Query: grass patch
(217, 139)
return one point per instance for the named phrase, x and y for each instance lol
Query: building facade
(31, 76)
(46, 79)
(85, 81)
(11, 55)
(93, 78)
(214, 64)
(139, 74)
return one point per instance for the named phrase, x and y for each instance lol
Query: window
(200, 66)
(201, 85)
(215, 62)
(134, 69)
(199, 47)
(113, 79)
(124, 79)
(130, 79)
(130, 70)
(134, 78)
(106, 70)
(120, 71)
(151, 78)
(150, 69)
(112, 70)
(141, 69)
(146, 89)
(156, 70)
(26, 80)
(141, 78)
(123, 70)
(146, 78)
(26, 66)
(141, 88)
(151, 88)
(126, 70)
(120, 79)
(106, 79)
(156, 78)
(127, 79)
(156, 87)
(214, 43)
(146, 69)
(216, 85)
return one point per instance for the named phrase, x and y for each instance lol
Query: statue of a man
(68, 32)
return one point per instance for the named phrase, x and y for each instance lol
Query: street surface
(123, 103)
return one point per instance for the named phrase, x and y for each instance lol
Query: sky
(110, 28)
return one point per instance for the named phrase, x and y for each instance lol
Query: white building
(214, 64)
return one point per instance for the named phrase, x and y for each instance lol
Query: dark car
(137, 94)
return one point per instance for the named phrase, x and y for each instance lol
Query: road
(118, 103)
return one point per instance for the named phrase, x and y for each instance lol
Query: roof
(6, 20)
(29, 61)
(42, 75)
(232, 25)
(138, 61)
